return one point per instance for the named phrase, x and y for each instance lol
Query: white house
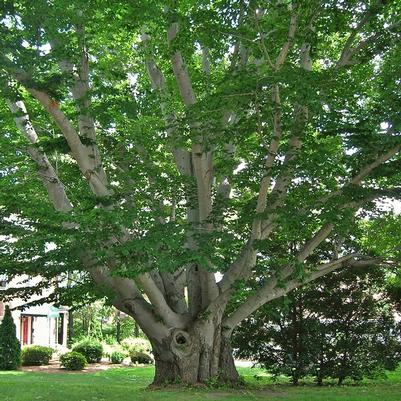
(36, 325)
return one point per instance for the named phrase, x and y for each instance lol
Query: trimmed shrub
(92, 350)
(73, 361)
(36, 355)
(117, 357)
(10, 347)
(141, 357)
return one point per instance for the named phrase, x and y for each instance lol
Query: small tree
(341, 327)
(10, 348)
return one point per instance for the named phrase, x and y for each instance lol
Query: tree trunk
(118, 326)
(136, 329)
(70, 326)
(200, 355)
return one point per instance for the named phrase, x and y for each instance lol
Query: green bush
(10, 347)
(117, 357)
(92, 350)
(139, 350)
(36, 355)
(109, 340)
(73, 361)
(141, 357)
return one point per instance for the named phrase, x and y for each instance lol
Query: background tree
(166, 142)
(340, 327)
(10, 347)
(381, 236)
(103, 322)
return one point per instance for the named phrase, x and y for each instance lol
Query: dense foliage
(91, 349)
(136, 344)
(73, 361)
(117, 357)
(140, 357)
(147, 146)
(139, 350)
(341, 327)
(10, 347)
(102, 321)
(36, 355)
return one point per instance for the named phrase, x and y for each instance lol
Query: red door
(24, 329)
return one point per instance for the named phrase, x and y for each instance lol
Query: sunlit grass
(130, 384)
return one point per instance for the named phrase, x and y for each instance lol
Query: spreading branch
(271, 291)
(47, 173)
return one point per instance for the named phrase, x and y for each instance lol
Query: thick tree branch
(201, 162)
(270, 159)
(349, 49)
(96, 179)
(240, 268)
(81, 93)
(158, 300)
(128, 298)
(78, 150)
(174, 284)
(128, 295)
(315, 241)
(180, 69)
(181, 156)
(184, 165)
(201, 159)
(47, 174)
(261, 228)
(271, 291)
(358, 178)
(290, 39)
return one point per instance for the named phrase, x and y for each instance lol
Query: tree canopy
(150, 145)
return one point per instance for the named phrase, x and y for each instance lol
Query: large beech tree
(160, 152)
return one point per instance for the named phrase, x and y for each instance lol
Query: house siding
(36, 325)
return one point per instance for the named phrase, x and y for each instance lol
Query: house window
(3, 284)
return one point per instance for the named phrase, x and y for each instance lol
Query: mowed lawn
(126, 384)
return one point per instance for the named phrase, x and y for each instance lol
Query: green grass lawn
(126, 384)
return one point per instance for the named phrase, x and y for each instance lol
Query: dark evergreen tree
(10, 347)
(341, 327)
(393, 290)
